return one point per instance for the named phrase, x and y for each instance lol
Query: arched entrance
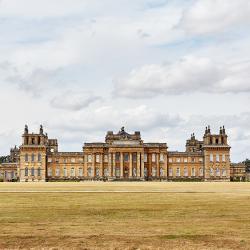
(126, 173)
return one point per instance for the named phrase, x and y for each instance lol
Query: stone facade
(238, 172)
(122, 156)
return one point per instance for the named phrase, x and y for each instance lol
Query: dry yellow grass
(149, 216)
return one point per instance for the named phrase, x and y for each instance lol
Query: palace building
(122, 156)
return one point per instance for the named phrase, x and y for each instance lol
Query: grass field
(119, 215)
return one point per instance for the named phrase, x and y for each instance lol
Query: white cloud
(188, 75)
(213, 16)
(71, 100)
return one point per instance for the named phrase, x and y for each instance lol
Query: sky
(167, 68)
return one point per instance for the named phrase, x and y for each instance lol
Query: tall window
(134, 155)
(178, 160)
(224, 172)
(126, 157)
(193, 171)
(72, 172)
(65, 174)
(178, 172)
(89, 172)
(39, 157)
(224, 158)
(162, 157)
(201, 171)
(106, 172)
(145, 157)
(170, 172)
(32, 171)
(97, 158)
(106, 158)
(153, 158)
(185, 160)
(117, 156)
(49, 171)
(154, 172)
(117, 172)
(26, 172)
(211, 158)
(32, 157)
(26, 157)
(73, 160)
(57, 171)
(39, 171)
(161, 172)
(185, 171)
(217, 157)
(89, 158)
(80, 173)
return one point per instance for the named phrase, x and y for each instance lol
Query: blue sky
(166, 68)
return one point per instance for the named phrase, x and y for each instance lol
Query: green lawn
(174, 215)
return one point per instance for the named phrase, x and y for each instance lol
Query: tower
(216, 155)
(33, 156)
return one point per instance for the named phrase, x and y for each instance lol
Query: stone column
(138, 164)
(110, 164)
(85, 168)
(157, 165)
(121, 165)
(142, 165)
(93, 164)
(130, 165)
(113, 165)
(101, 164)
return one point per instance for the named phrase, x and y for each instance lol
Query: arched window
(178, 172)
(80, 172)
(26, 157)
(201, 171)
(170, 172)
(193, 171)
(224, 172)
(89, 172)
(32, 157)
(65, 172)
(185, 171)
(39, 157)
(57, 171)
(217, 172)
(32, 171)
(26, 171)
(39, 171)
(49, 171)
(72, 172)
(217, 141)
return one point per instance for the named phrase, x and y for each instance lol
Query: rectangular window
(224, 158)
(80, 172)
(106, 158)
(200, 160)
(162, 157)
(49, 160)
(73, 160)
(145, 157)
(211, 158)
(97, 159)
(126, 157)
(193, 171)
(89, 158)
(65, 172)
(170, 160)
(178, 160)
(178, 172)
(185, 160)
(26, 158)
(117, 157)
(153, 158)
(57, 172)
(193, 159)
(170, 172)
(217, 157)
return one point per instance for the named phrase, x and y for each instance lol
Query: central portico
(125, 156)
